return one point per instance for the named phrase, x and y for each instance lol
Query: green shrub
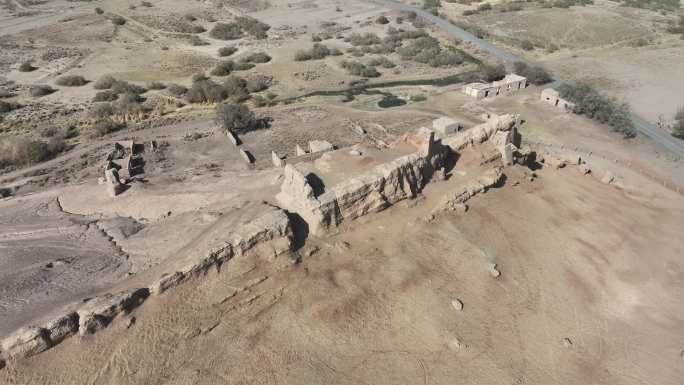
(382, 20)
(198, 77)
(71, 81)
(258, 57)
(237, 118)
(123, 87)
(678, 126)
(117, 20)
(427, 50)
(102, 110)
(8, 106)
(26, 67)
(21, 151)
(197, 41)
(368, 38)
(106, 126)
(105, 96)
(592, 104)
(225, 31)
(491, 72)
(155, 86)
(176, 89)
(104, 83)
(484, 7)
(253, 26)
(527, 45)
(40, 90)
(317, 52)
(381, 62)
(227, 51)
(206, 91)
(128, 104)
(535, 74)
(360, 69)
(227, 67)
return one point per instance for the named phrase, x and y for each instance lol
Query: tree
(678, 126)
(536, 75)
(490, 73)
(236, 117)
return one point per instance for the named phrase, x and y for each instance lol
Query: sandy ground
(591, 274)
(584, 297)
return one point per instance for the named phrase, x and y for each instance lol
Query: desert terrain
(304, 192)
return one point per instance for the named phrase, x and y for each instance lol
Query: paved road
(658, 135)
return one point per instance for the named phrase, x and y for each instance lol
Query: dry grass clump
(40, 90)
(108, 82)
(226, 31)
(106, 126)
(227, 67)
(236, 118)
(176, 89)
(237, 29)
(105, 96)
(22, 151)
(227, 51)
(257, 57)
(117, 20)
(234, 88)
(27, 67)
(197, 41)
(317, 52)
(71, 81)
(155, 86)
(104, 83)
(427, 50)
(360, 69)
(8, 106)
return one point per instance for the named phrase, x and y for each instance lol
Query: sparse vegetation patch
(535, 74)
(71, 81)
(596, 106)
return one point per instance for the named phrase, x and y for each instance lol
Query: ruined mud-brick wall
(370, 192)
(387, 183)
(266, 237)
(502, 129)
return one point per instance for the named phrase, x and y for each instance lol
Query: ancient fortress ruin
(325, 194)
(325, 188)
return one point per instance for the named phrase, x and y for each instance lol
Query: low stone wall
(266, 236)
(456, 200)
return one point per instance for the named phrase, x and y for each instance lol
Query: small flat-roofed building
(445, 126)
(509, 84)
(551, 96)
